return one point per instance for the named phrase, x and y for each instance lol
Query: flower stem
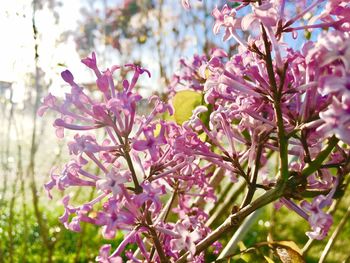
(321, 157)
(126, 150)
(156, 242)
(252, 185)
(138, 188)
(277, 94)
(235, 219)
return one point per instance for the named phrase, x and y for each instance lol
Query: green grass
(83, 247)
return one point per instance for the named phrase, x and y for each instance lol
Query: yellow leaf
(268, 260)
(207, 73)
(202, 137)
(157, 129)
(184, 102)
(241, 246)
(288, 255)
(290, 244)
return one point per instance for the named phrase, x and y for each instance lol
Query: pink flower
(339, 85)
(151, 143)
(226, 18)
(151, 193)
(336, 121)
(186, 4)
(49, 103)
(84, 143)
(51, 184)
(185, 239)
(222, 18)
(113, 182)
(91, 63)
(104, 255)
(138, 70)
(103, 83)
(195, 121)
(331, 47)
(301, 97)
(67, 77)
(265, 14)
(81, 215)
(319, 221)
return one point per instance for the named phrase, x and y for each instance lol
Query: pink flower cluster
(271, 98)
(313, 83)
(141, 159)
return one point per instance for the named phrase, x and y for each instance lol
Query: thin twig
(321, 157)
(334, 236)
(252, 186)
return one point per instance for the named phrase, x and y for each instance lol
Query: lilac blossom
(113, 182)
(184, 239)
(104, 256)
(269, 98)
(319, 221)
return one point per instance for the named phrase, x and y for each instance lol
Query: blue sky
(17, 45)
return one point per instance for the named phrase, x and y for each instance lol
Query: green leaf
(202, 137)
(307, 34)
(205, 117)
(167, 117)
(241, 246)
(184, 102)
(246, 257)
(268, 260)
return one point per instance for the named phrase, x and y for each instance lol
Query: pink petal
(247, 21)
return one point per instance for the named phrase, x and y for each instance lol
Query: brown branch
(235, 219)
(159, 248)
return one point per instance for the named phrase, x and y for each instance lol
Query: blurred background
(41, 38)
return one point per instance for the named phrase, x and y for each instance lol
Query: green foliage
(67, 246)
(83, 247)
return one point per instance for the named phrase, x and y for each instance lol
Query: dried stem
(334, 236)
